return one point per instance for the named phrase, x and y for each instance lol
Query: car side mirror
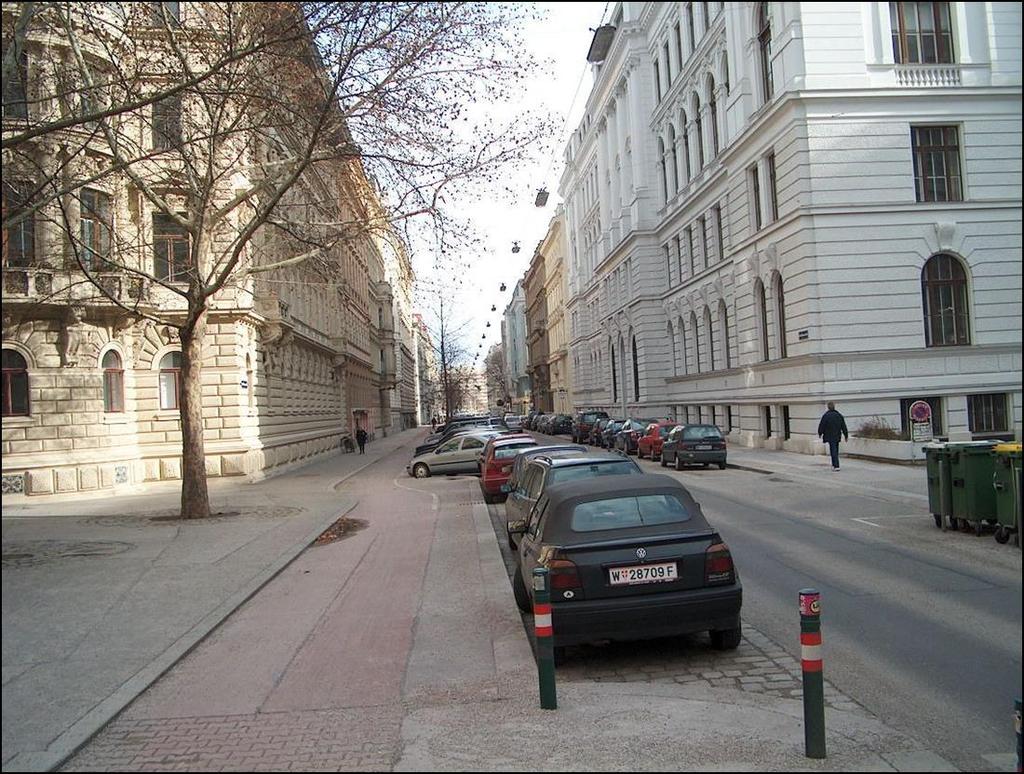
(517, 527)
(505, 488)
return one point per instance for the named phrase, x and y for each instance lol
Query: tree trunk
(195, 497)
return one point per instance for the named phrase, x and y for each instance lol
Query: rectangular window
(987, 413)
(679, 46)
(785, 422)
(95, 227)
(704, 240)
(19, 244)
(936, 163)
(755, 197)
(717, 212)
(668, 264)
(773, 193)
(936, 405)
(767, 421)
(921, 33)
(113, 391)
(657, 81)
(668, 62)
(172, 9)
(15, 97)
(171, 253)
(679, 255)
(692, 252)
(689, 26)
(167, 123)
(170, 388)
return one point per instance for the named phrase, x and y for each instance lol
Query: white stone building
(774, 205)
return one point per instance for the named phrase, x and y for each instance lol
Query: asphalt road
(921, 627)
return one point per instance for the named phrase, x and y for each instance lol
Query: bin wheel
(1002, 534)
(954, 524)
(979, 527)
(938, 519)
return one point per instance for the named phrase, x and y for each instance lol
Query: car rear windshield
(628, 512)
(507, 452)
(700, 432)
(576, 472)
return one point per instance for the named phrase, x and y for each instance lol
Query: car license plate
(643, 573)
(704, 447)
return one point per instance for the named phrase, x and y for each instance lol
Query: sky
(560, 43)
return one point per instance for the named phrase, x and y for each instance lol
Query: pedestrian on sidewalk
(830, 428)
(361, 440)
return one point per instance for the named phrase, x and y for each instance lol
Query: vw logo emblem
(641, 553)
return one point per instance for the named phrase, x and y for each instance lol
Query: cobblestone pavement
(359, 739)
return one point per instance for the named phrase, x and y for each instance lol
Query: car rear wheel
(421, 471)
(726, 639)
(519, 590)
(721, 466)
(679, 463)
(663, 463)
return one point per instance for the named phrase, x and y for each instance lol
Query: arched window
(713, 116)
(695, 343)
(684, 124)
(249, 386)
(710, 333)
(170, 380)
(661, 169)
(764, 50)
(681, 333)
(700, 132)
(15, 384)
(723, 316)
(944, 295)
(674, 177)
(636, 372)
(113, 383)
(780, 311)
(761, 305)
(615, 384)
(675, 349)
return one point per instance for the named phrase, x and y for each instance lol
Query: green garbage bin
(940, 491)
(971, 468)
(1006, 483)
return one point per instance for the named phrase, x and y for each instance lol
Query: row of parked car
(629, 555)
(660, 439)
(550, 424)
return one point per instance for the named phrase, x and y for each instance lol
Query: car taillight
(563, 576)
(718, 566)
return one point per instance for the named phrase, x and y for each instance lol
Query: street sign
(920, 414)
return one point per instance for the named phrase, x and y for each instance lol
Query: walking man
(830, 428)
(361, 440)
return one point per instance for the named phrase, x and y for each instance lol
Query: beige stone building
(538, 348)
(294, 358)
(553, 249)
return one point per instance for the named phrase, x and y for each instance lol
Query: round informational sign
(920, 411)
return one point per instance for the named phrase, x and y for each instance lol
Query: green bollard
(545, 641)
(813, 680)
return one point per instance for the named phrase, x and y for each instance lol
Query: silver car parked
(456, 455)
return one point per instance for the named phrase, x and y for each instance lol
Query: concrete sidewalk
(102, 596)
(83, 637)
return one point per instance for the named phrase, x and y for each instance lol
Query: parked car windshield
(700, 432)
(507, 452)
(628, 512)
(576, 472)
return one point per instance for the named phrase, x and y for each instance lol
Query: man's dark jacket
(832, 426)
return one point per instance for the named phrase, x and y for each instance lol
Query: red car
(650, 442)
(496, 461)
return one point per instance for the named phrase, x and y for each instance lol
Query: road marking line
(869, 523)
(433, 495)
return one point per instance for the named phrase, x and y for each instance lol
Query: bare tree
(210, 152)
(496, 372)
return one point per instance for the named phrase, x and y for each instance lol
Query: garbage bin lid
(964, 444)
(935, 445)
(1007, 448)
